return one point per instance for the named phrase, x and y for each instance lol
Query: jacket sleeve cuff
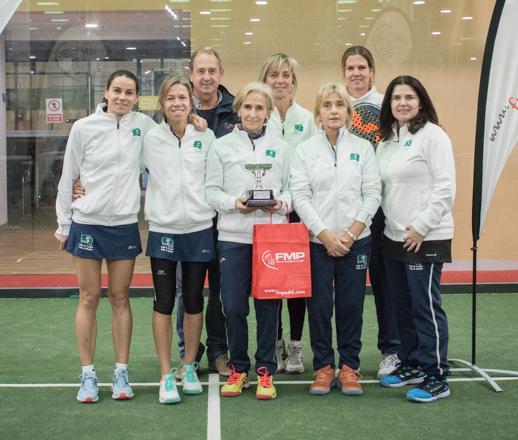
(317, 228)
(420, 227)
(63, 230)
(363, 216)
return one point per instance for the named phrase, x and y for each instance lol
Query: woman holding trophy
(240, 166)
(336, 191)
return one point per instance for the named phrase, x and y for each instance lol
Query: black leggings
(164, 282)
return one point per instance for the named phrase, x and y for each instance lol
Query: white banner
(8, 8)
(501, 117)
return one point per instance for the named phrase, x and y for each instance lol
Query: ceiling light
(32, 57)
(219, 25)
(106, 58)
(131, 48)
(261, 2)
(473, 59)
(445, 11)
(33, 28)
(59, 20)
(47, 3)
(205, 12)
(341, 18)
(419, 2)
(255, 19)
(247, 42)
(363, 34)
(376, 10)
(179, 1)
(220, 1)
(59, 28)
(348, 44)
(344, 10)
(436, 33)
(91, 25)
(467, 18)
(364, 26)
(53, 12)
(346, 2)
(368, 18)
(249, 33)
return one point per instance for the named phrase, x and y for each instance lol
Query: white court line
(277, 382)
(213, 411)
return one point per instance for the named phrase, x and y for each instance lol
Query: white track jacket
(227, 179)
(418, 175)
(331, 190)
(298, 125)
(175, 195)
(105, 154)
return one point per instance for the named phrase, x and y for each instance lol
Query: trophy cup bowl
(259, 196)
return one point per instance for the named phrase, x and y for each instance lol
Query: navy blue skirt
(104, 242)
(193, 247)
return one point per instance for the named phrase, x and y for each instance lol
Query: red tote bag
(280, 261)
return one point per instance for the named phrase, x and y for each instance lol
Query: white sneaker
(168, 392)
(295, 360)
(280, 356)
(388, 365)
(190, 382)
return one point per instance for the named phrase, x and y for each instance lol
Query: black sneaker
(431, 389)
(403, 375)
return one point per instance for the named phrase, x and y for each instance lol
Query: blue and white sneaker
(403, 375)
(121, 389)
(189, 378)
(88, 391)
(433, 388)
(168, 392)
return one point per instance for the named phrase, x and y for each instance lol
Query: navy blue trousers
(384, 299)
(236, 285)
(337, 283)
(422, 322)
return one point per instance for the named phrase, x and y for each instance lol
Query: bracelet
(350, 234)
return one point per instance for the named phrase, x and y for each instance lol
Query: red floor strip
(144, 280)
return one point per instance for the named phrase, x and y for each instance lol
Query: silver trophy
(259, 196)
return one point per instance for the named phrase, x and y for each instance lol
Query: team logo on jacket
(270, 153)
(273, 259)
(299, 127)
(415, 266)
(408, 143)
(361, 262)
(167, 245)
(86, 243)
(197, 144)
(355, 156)
(136, 132)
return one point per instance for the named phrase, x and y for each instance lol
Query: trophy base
(258, 198)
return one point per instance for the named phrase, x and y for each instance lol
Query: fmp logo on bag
(272, 259)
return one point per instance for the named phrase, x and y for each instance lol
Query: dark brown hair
(426, 112)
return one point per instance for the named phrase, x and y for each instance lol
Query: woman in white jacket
(180, 229)
(359, 72)
(293, 123)
(227, 182)
(418, 173)
(104, 150)
(336, 191)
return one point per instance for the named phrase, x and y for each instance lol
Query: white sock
(121, 366)
(88, 368)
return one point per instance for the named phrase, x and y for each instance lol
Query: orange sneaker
(324, 381)
(265, 387)
(349, 381)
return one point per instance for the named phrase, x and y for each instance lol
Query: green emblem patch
(270, 153)
(87, 239)
(299, 127)
(355, 156)
(408, 143)
(197, 144)
(166, 241)
(136, 132)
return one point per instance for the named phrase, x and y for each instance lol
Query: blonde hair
(325, 92)
(256, 87)
(274, 62)
(169, 82)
